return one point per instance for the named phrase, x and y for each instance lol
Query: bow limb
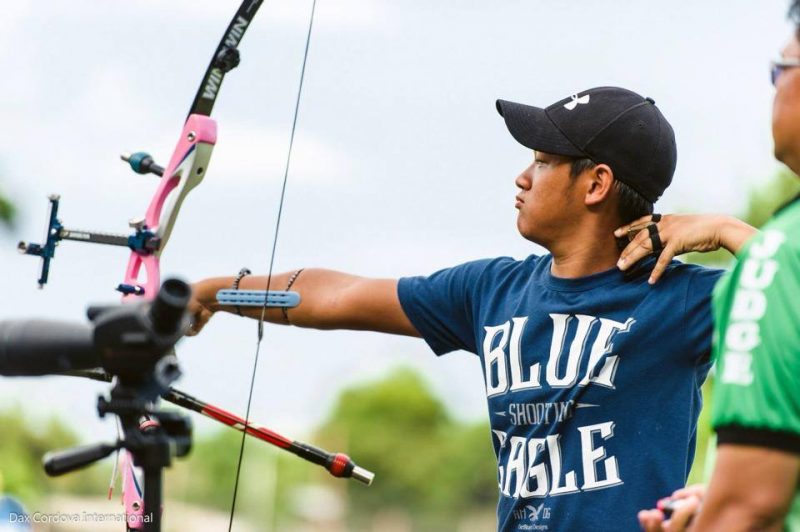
(225, 58)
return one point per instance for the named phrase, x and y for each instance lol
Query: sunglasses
(778, 66)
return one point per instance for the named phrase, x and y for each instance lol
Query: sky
(401, 165)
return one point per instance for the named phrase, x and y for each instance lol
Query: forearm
(729, 516)
(751, 489)
(733, 233)
(313, 285)
(206, 292)
(328, 300)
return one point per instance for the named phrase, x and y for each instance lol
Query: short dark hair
(630, 205)
(794, 17)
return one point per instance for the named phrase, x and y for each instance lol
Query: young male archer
(592, 374)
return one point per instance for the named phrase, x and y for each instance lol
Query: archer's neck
(586, 251)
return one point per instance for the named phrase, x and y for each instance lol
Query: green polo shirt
(757, 344)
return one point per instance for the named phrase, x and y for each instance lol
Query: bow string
(276, 233)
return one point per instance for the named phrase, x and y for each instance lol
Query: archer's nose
(523, 181)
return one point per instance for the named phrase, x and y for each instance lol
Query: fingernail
(620, 263)
(618, 232)
(651, 281)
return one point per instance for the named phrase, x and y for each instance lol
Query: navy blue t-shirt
(592, 384)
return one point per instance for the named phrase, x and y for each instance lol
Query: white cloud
(13, 13)
(250, 155)
(339, 15)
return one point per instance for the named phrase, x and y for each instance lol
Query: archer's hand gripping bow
(185, 170)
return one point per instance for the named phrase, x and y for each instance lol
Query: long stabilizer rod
(337, 464)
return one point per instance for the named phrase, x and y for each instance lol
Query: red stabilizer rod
(223, 416)
(337, 464)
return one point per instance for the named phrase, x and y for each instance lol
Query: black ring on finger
(655, 218)
(655, 239)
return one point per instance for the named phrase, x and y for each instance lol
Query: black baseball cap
(609, 125)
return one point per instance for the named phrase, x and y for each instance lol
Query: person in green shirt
(756, 403)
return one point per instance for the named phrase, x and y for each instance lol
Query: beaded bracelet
(239, 277)
(292, 279)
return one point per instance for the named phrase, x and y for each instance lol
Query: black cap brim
(531, 127)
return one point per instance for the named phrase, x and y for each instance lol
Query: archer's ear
(600, 180)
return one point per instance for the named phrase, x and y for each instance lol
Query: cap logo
(573, 103)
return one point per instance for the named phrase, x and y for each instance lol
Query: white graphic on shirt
(541, 413)
(573, 103)
(749, 305)
(501, 437)
(503, 367)
(532, 467)
(532, 514)
(536, 512)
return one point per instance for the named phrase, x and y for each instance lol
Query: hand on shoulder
(674, 234)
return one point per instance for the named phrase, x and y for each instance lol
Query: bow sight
(152, 231)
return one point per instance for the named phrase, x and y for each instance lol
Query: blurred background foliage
(431, 470)
(762, 202)
(434, 472)
(7, 211)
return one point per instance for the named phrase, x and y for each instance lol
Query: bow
(185, 170)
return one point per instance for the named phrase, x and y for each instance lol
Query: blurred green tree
(762, 202)
(429, 465)
(22, 447)
(7, 211)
